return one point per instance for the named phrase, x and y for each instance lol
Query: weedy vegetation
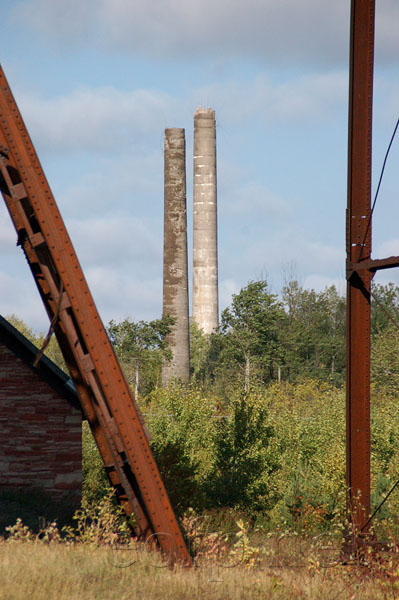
(252, 453)
(260, 493)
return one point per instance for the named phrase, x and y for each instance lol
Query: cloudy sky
(98, 82)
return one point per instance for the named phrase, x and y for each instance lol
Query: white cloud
(293, 244)
(227, 287)
(98, 120)
(119, 294)
(113, 123)
(181, 28)
(386, 30)
(19, 296)
(116, 239)
(301, 97)
(320, 282)
(121, 256)
(130, 182)
(119, 288)
(8, 236)
(310, 95)
(267, 257)
(312, 31)
(388, 248)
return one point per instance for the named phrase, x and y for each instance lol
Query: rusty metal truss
(360, 266)
(105, 396)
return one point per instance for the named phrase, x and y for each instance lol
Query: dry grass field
(35, 570)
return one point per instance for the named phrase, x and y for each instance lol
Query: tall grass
(37, 571)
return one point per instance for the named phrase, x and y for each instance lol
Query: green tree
(314, 336)
(245, 457)
(180, 419)
(385, 361)
(385, 303)
(205, 352)
(385, 337)
(250, 334)
(52, 351)
(199, 351)
(141, 347)
(95, 483)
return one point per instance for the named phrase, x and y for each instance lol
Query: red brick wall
(40, 432)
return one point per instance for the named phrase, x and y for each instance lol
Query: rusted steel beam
(106, 398)
(372, 265)
(358, 248)
(18, 204)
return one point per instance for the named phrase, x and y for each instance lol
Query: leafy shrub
(384, 361)
(245, 458)
(99, 523)
(180, 419)
(309, 420)
(95, 482)
(96, 523)
(277, 455)
(19, 532)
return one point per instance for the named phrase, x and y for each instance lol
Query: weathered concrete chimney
(175, 272)
(205, 253)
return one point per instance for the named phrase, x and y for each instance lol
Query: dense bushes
(95, 483)
(245, 457)
(277, 455)
(245, 441)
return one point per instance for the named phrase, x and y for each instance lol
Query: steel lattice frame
(104, 394)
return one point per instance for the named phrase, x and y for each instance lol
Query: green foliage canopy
(245, 458)
(250, 333)
(52, 351)
(141, 347)
(314, 335)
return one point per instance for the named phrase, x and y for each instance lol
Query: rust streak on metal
(106, 398)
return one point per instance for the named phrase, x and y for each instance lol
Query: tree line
(262, 338)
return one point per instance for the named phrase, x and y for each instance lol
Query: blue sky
(97, 83)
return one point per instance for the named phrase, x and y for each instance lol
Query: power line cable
(384, 309)
(383, 166)
(380, 505)
(379, 184)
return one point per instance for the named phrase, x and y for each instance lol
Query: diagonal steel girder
(104, 393)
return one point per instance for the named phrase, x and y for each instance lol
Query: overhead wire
(379, 184)
(383, 165)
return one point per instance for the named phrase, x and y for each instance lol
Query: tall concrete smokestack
(205, 253)
(175, 275)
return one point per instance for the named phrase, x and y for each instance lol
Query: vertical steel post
(358, 247)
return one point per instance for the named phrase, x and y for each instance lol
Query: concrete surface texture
(205, 253)
(175, 268)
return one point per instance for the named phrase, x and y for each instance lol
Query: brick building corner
(40, 422)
